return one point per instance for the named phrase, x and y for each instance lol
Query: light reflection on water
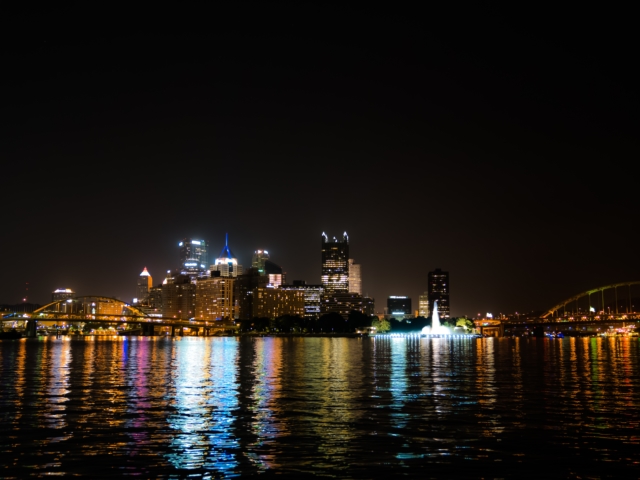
(348, 408)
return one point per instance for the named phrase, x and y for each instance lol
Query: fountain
(436, 328)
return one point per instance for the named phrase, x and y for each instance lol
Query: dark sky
(499, 145)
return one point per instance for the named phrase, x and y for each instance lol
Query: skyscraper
(259, 259)
(335, 264)
(438, 289)
(355, 279)
(145, 282)
(227, 263)
(423, 305)
(399, 305)
(193, 256)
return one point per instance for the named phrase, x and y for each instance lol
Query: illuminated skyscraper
(355, 280)
(259, 259)
(335, 264)
(438, 289)
(423, 305)
(227, 263)
(62, 294)
(193, 256)
(145, 282)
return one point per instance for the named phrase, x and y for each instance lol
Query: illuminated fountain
(436, 328)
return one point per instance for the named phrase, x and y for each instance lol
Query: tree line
(335, 323)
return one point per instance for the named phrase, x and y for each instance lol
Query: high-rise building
(62, 294)
(227, 263)
(178, 297)
(214, 298)
(145, 282)
(423, 305)
(399, 305)
(259, 259)
(275, 273)
(335, 264)
(355, 280)
(193, 257)
(312, 297)
(438, 289)
(246, 283)
(275, 302)
(343, 303)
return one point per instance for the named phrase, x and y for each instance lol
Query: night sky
(499, 145)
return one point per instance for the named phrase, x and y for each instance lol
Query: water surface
(337, 407)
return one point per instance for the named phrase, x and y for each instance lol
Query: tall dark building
(439, 290)
(193, 257)
(399, 305)
(246, 285)
(335, 264)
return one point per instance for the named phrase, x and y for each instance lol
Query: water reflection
(224, 407)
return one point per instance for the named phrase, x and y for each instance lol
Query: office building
(343, 303)
(438, 289)
(145, 282)
(259, 259)
(313, 295)
(178, 297)
(227, 263)
(355, 279)
(276, 302)
(399, 305)
(245, 285)
(215, 298)
(423, 305)
(193, 257)
(335, 264)
(62, 294)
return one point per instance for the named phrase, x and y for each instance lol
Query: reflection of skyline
(240, 406)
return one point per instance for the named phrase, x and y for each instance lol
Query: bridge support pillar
(147, 329)
(30, 330)
(173, 330)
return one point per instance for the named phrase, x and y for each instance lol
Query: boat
(130, 331)
(10, 334)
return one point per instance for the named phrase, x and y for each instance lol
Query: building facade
(335, 264)
(227, 263)
(355, 278)
(215, 298)
(399, 305)
(313, 295)
(193, 257)
(258, 260)
(62, 294)
(245, 285)
(145, 282)
(423, 305)
(276, 302)
(438, 289)
(179, 297)
(343, 303)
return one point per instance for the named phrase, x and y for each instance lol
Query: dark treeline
(329, 323)
(332, 323)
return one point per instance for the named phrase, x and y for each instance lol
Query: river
(297, 407)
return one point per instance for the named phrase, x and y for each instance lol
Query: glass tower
(439, 290)
(193, 256)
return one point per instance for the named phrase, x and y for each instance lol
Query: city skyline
(494, 152)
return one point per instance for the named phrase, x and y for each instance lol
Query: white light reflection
(204, 396)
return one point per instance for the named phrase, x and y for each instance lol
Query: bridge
(100, 310)
(609, 308)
